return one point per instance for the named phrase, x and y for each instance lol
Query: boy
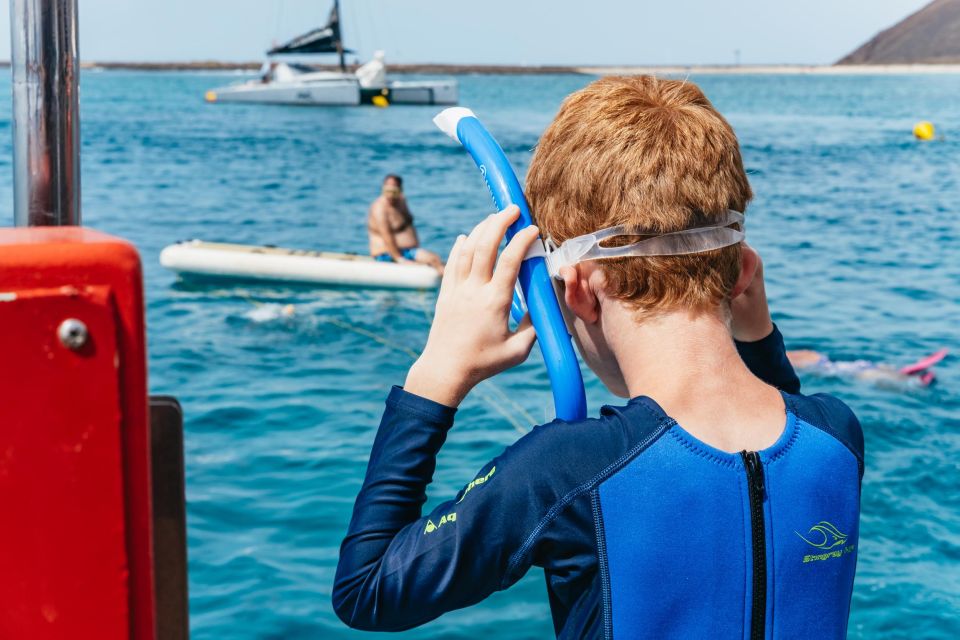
(712, 504)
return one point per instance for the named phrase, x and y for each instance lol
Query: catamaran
(290, 83)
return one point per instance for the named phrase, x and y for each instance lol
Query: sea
(858, 224)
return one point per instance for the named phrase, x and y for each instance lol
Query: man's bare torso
(398, 219)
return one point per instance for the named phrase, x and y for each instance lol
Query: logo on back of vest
(826, 536)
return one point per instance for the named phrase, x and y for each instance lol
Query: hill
(931, 35)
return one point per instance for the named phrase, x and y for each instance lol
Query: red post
(76, 554)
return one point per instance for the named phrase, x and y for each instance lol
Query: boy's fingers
(512, 257)
(455, 250)
(450, 273)
(521, 342)
(467, 250)
(526, 323)
(488, 241)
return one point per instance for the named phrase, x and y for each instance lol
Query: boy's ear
(748, 269)
(578, 295)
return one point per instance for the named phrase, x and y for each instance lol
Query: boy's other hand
(751, 314)
(470, 339)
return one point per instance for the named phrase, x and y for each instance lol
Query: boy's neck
(690, 366)
(676, 353)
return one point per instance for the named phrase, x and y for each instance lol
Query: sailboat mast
(343, 64)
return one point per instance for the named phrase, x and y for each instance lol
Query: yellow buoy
(924, 130)
(210, 96)
(380, 101)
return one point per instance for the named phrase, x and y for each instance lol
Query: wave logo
(824, 535)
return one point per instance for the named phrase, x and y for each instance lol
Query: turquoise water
(857, 223)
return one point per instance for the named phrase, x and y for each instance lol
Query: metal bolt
(73, 334)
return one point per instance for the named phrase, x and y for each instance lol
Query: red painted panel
(61, 475)
(75, 547)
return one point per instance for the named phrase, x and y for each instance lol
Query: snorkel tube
(569, 399)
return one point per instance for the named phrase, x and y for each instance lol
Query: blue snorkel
(569, 399)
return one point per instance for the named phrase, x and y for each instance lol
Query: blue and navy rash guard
(642, 530)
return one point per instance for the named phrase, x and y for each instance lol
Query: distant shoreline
(463, 69)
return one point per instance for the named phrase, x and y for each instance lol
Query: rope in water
(413, 354)
(486, 392)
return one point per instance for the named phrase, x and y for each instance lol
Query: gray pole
(46, 114)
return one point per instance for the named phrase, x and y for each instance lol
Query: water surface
(857, 223)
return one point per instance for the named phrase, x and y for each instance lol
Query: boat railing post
(46, 114)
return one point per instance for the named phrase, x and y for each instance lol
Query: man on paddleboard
(393, 237)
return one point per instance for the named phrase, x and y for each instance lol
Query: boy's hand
(751, 315)
(470, 339)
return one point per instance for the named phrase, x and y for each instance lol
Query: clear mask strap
(714, 235)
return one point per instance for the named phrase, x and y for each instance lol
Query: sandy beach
(776, 69)
(456, 69)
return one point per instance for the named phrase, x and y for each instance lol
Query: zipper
(754, 469)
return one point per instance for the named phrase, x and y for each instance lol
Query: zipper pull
(751, 460)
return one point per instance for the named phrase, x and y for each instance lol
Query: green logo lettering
(431, 527)
(827, 537)
(476, 482)
(824, 535)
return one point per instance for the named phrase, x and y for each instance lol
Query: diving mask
(715, 234)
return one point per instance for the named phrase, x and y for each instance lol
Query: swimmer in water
(270, 312)
(919, 373)
(393, 237)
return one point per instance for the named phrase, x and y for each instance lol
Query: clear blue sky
(494, 31)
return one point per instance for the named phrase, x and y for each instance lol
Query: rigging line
(513, 403)
(490, 402)
(373, 336)
(355, 27)
(427, 312)
(378, 43)
(391, 40)
(279, 19)
(482, 392)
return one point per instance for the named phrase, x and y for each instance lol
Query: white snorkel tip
(448, 119)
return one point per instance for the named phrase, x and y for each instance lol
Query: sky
(533, 32)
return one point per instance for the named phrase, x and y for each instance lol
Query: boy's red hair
(650, 153)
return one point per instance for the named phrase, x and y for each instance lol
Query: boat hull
(344, 91)
(221, 261)
(415, 92)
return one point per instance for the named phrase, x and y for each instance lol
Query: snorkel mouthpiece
(566, 382)
(448, 119)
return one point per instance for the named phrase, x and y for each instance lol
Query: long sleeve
(399, 569)
(767, 359)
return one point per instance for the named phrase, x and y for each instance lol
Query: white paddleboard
(216, 260)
